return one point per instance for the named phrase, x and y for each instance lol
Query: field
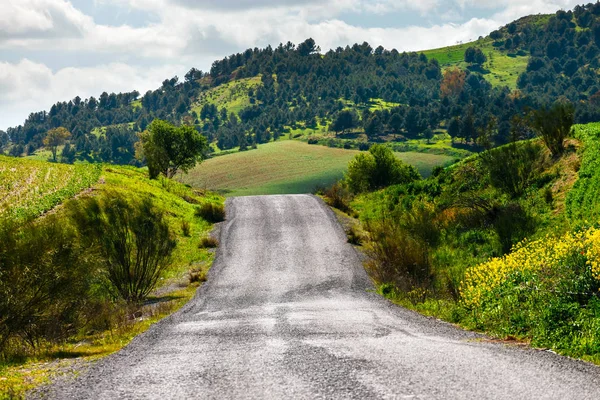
(29, 188)
(286, 167)
(233, 95)
(501, 68)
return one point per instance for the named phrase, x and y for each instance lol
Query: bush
(185, 228)
(398, 258)
(513, 167)
(211, 212)
(338, 196)
(208, 242)
(377, 169)
(45, 276)
(132, 238)
(554, 125)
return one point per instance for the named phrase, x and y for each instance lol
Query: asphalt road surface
(288, 312)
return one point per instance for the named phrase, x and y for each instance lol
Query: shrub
(208, 242)
(554, 125)
(338, 196)
(377, 169)
(185, 228)
(397, 258)
(211, 212)
(132, 238)
(44, 279)
(513, 167)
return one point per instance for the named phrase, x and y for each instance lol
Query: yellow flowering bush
(538, 257)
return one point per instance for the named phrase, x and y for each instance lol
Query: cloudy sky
(54, 50)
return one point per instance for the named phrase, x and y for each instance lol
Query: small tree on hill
(377, 169)
(346, 119)
(453, 82)
(554, 125)
(168, 149)
(54, 138)
(475, 56)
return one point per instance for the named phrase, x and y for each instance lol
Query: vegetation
(133, 239)
(168, 149)
(583, 202)
(54, 138)
(377, 169)
(30, 188)
(554, 125)
(61, 294)
(505, 242)
(287, 167)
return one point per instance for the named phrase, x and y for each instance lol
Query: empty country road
(288, 312)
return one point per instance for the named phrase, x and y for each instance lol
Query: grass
(286, 167)
(232, 95)
(28, 188)
(501, 68)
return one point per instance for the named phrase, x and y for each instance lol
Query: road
(288, 312)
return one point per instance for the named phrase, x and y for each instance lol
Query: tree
(377, 169)
(56, 137)
(68, 154)
(346, 119)
(168, 149)
(453, 82)
(554, 125)
(374, 126)
(474, 55)
(396, 122)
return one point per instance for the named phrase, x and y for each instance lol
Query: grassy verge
(519, 263)
(118, 323)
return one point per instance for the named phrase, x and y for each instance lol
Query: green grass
(286, 167)
(501, 68)
(28, 188)
(583, 203)
(232, 95)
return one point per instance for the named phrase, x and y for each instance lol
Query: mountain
(256, 96)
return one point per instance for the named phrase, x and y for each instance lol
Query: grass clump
(208, 242)
(211, 212)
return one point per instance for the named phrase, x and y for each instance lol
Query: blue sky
(54, 50)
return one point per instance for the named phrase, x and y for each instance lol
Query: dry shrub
(338, 196)
(398, 258)
(208, 242)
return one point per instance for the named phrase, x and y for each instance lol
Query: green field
(286, 167)
(29, 188)
(501, 68)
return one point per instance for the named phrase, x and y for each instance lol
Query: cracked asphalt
(288, 312)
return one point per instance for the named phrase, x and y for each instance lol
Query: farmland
(286, 167)
(29, 188)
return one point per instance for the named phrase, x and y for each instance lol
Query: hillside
(287, 166)
(504, 242)
(381, 95)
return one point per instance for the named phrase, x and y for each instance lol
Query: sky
(54, 50)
